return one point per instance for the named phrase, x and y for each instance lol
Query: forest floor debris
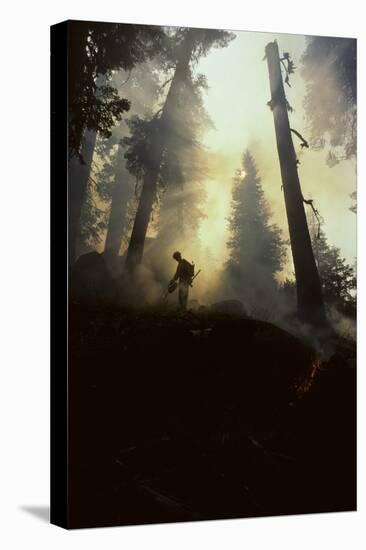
(203, 416)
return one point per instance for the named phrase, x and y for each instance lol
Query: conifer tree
(329, 67)
(337, 277)
(257, 248)
(96, 50)
(150, 139)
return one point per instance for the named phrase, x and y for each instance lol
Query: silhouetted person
(184, 274)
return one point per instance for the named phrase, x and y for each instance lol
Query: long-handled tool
(171, 288)
(193, 278)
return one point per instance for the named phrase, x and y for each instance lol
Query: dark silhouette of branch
(310, 202)
(304, 143)
(127, 79)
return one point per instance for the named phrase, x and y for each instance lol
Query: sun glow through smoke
(236, 101)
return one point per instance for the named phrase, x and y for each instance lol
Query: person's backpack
(187, 270)
(190, 269)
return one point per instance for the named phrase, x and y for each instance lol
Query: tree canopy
(329, 68)
(338, 278)
(99, 49)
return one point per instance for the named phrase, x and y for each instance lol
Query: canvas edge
(59, 279)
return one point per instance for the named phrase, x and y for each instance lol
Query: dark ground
(204, 416)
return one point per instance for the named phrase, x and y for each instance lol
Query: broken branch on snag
(316, 212)
(304, 143)
(289, 67)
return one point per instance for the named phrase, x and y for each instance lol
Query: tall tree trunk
(79, 173)
(309, 294)
(117, 216)
(78, 184)
(148, 193)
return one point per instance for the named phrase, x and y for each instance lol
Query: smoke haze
(236, 102)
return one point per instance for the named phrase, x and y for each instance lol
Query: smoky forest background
(239, 150)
